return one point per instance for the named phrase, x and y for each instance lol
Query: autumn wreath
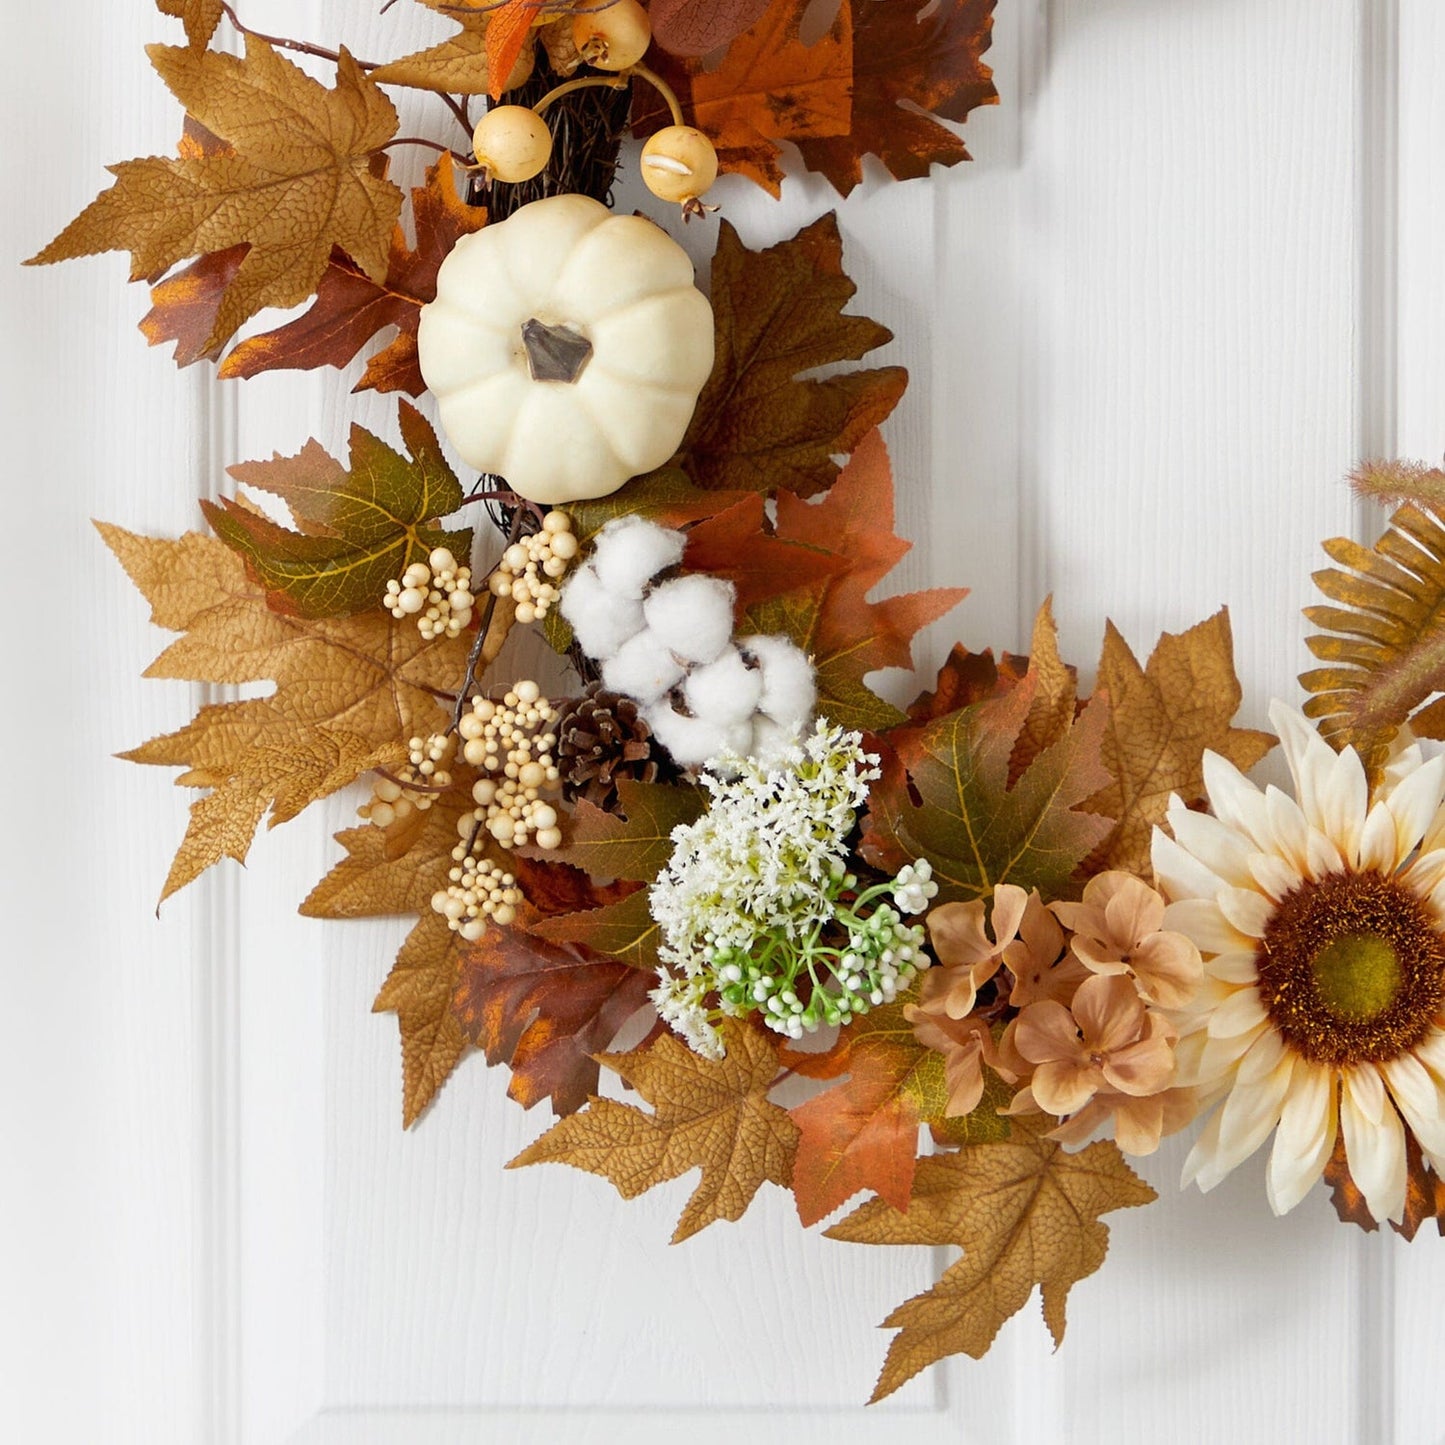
(1011, 915)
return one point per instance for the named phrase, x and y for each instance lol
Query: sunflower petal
(1179, 872)
(1305, 1138)
(1419, 1098)
(1374, 1148)
(1240, 1012)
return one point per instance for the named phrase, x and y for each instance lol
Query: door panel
(1190, 277)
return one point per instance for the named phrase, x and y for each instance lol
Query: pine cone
(601, 738)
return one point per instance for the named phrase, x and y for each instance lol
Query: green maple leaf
(974, 827)
(358, 528)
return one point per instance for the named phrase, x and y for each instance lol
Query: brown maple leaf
(708, 1115)
(419, 990)
(832, 619)
(1162, 718)
(184, 306)
(348, 693)
(1024, 1211)
(545, 1010)
(771, 87)
(778, 313)
(863, 1133)
(910, 64)
(350, 307)
(969, 677)
(291, 193)
(699, 27)
(1424, 1192)
(946, 795)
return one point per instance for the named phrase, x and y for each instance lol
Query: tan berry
(613, 36)
(679, 164)
(512, 143)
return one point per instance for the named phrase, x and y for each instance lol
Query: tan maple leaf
(348, 693)
(350, 308)
(290, 192)
(419, 990)
(460, 64)
(1162, 718)
(1024, 1211)
(199, 16)
(391, 870)
(708, 1115)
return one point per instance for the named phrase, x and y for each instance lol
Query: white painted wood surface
(1193, 273)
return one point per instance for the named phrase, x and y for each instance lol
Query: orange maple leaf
(508, 27)
(863, 1133)
(847, 635)
(771, 87)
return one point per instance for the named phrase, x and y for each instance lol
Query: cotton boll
(693, 616)
(773, 745)
(692, 741)
(602, 620)
(642, 668)
(629, 552)
(789, 689)
(725, 691)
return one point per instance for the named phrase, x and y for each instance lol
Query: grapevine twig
(488, 612)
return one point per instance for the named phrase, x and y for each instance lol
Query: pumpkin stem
(554, 353)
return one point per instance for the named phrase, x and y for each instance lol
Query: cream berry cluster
(511, 744)
(666, 639)
(437, 592)
(530, 569)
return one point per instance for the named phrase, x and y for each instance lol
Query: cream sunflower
(1322, 922)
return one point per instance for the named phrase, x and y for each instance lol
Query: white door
(1192, 275)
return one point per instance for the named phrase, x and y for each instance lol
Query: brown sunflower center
(1351, 969)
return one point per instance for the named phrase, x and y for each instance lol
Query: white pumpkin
(566, 348)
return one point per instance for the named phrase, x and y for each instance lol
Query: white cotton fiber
(692, 615)
(629, 552)
(772, 744)
(601, 620)
(642, 668)
(692, 741)
(789, 689)
(725, 691)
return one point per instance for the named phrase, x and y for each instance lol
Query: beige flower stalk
(1119, 928)
(1322, 922)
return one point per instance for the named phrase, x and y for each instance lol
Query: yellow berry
(612, 36)
(679, 163)
(512, 142)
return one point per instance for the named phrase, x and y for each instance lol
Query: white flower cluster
(669, 644)
(757, 905)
